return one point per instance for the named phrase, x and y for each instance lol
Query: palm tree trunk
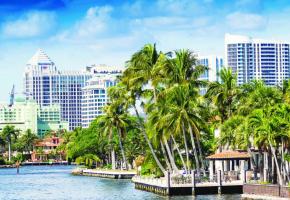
(276, 162)
(194, 149)
(180, 155)
(122, 149)
(186, 147)
(285, 173)
(253, 164)
(200, 154)
(171, 159)
(165, 156)
(9, 151)
(113, 158)
(148, 142)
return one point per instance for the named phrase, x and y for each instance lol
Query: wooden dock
(108, 174)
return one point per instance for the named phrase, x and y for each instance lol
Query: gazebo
(231, 163)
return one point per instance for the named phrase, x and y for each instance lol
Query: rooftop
(226, 155)
(40, 57)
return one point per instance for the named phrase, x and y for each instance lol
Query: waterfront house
(46, 149)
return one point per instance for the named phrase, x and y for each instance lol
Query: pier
(108, 173)
(187, 184)
(44, 163)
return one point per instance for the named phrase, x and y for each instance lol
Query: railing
(191, 179)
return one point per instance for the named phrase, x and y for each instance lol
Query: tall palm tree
(183, 70)
(8, 133)
(224, 93)
(117, 118)
(265, 124)
(139, 73)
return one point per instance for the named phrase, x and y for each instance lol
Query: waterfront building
(95, 93)
(48, 86)
(214, 65)
(45, 149)
(22, 114)
(252, 58)
(27, 114)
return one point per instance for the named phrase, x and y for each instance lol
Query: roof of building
(226, 155)
(40, 57)
(230, 38)
(48, 142)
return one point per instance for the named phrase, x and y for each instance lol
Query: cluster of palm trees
(162, 90)
(256, 118)
(157, 103)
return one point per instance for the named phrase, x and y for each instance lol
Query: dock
(108, 173)
(187, 185)
(44, 163)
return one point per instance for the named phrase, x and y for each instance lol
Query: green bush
(108, 166)
(2, 161)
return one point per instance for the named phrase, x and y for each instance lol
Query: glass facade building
(48, 86)
(95, 93)
(257, 59)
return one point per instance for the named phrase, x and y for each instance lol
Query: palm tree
(139, 73)
(8, 133)
(28, 139)
(265, 126)
(117, 119)
(224, 93)
(183, 70)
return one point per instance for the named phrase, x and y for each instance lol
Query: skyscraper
(49, 86)
(95, 93)
(253, 58)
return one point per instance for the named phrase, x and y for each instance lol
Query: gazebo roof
(229, 155)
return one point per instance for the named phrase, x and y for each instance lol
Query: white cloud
(30, 25)
(170, 23)
(94, 23)
(246, 21)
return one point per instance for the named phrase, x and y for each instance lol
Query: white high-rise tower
(253, 58)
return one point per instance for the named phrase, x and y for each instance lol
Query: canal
(56, 182)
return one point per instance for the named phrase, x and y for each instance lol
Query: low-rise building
(45, 149)
(27, 114)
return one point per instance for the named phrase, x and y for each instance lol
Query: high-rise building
(214, 65)
(95, 93)
(27, 114)
(49, 86)
(253, 58)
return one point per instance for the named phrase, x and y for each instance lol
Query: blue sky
(76, 33)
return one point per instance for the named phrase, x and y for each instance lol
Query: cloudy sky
(76, 33)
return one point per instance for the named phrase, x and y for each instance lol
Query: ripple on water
(56, 183)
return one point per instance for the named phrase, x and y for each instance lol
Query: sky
(78, 33)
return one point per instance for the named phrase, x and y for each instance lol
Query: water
(56, 183)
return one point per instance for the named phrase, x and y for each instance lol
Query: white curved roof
(40, 57)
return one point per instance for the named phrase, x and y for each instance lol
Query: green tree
(9, 134)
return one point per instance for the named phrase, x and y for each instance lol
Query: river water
(56, 183)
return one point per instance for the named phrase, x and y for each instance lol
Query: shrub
(2, 161)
